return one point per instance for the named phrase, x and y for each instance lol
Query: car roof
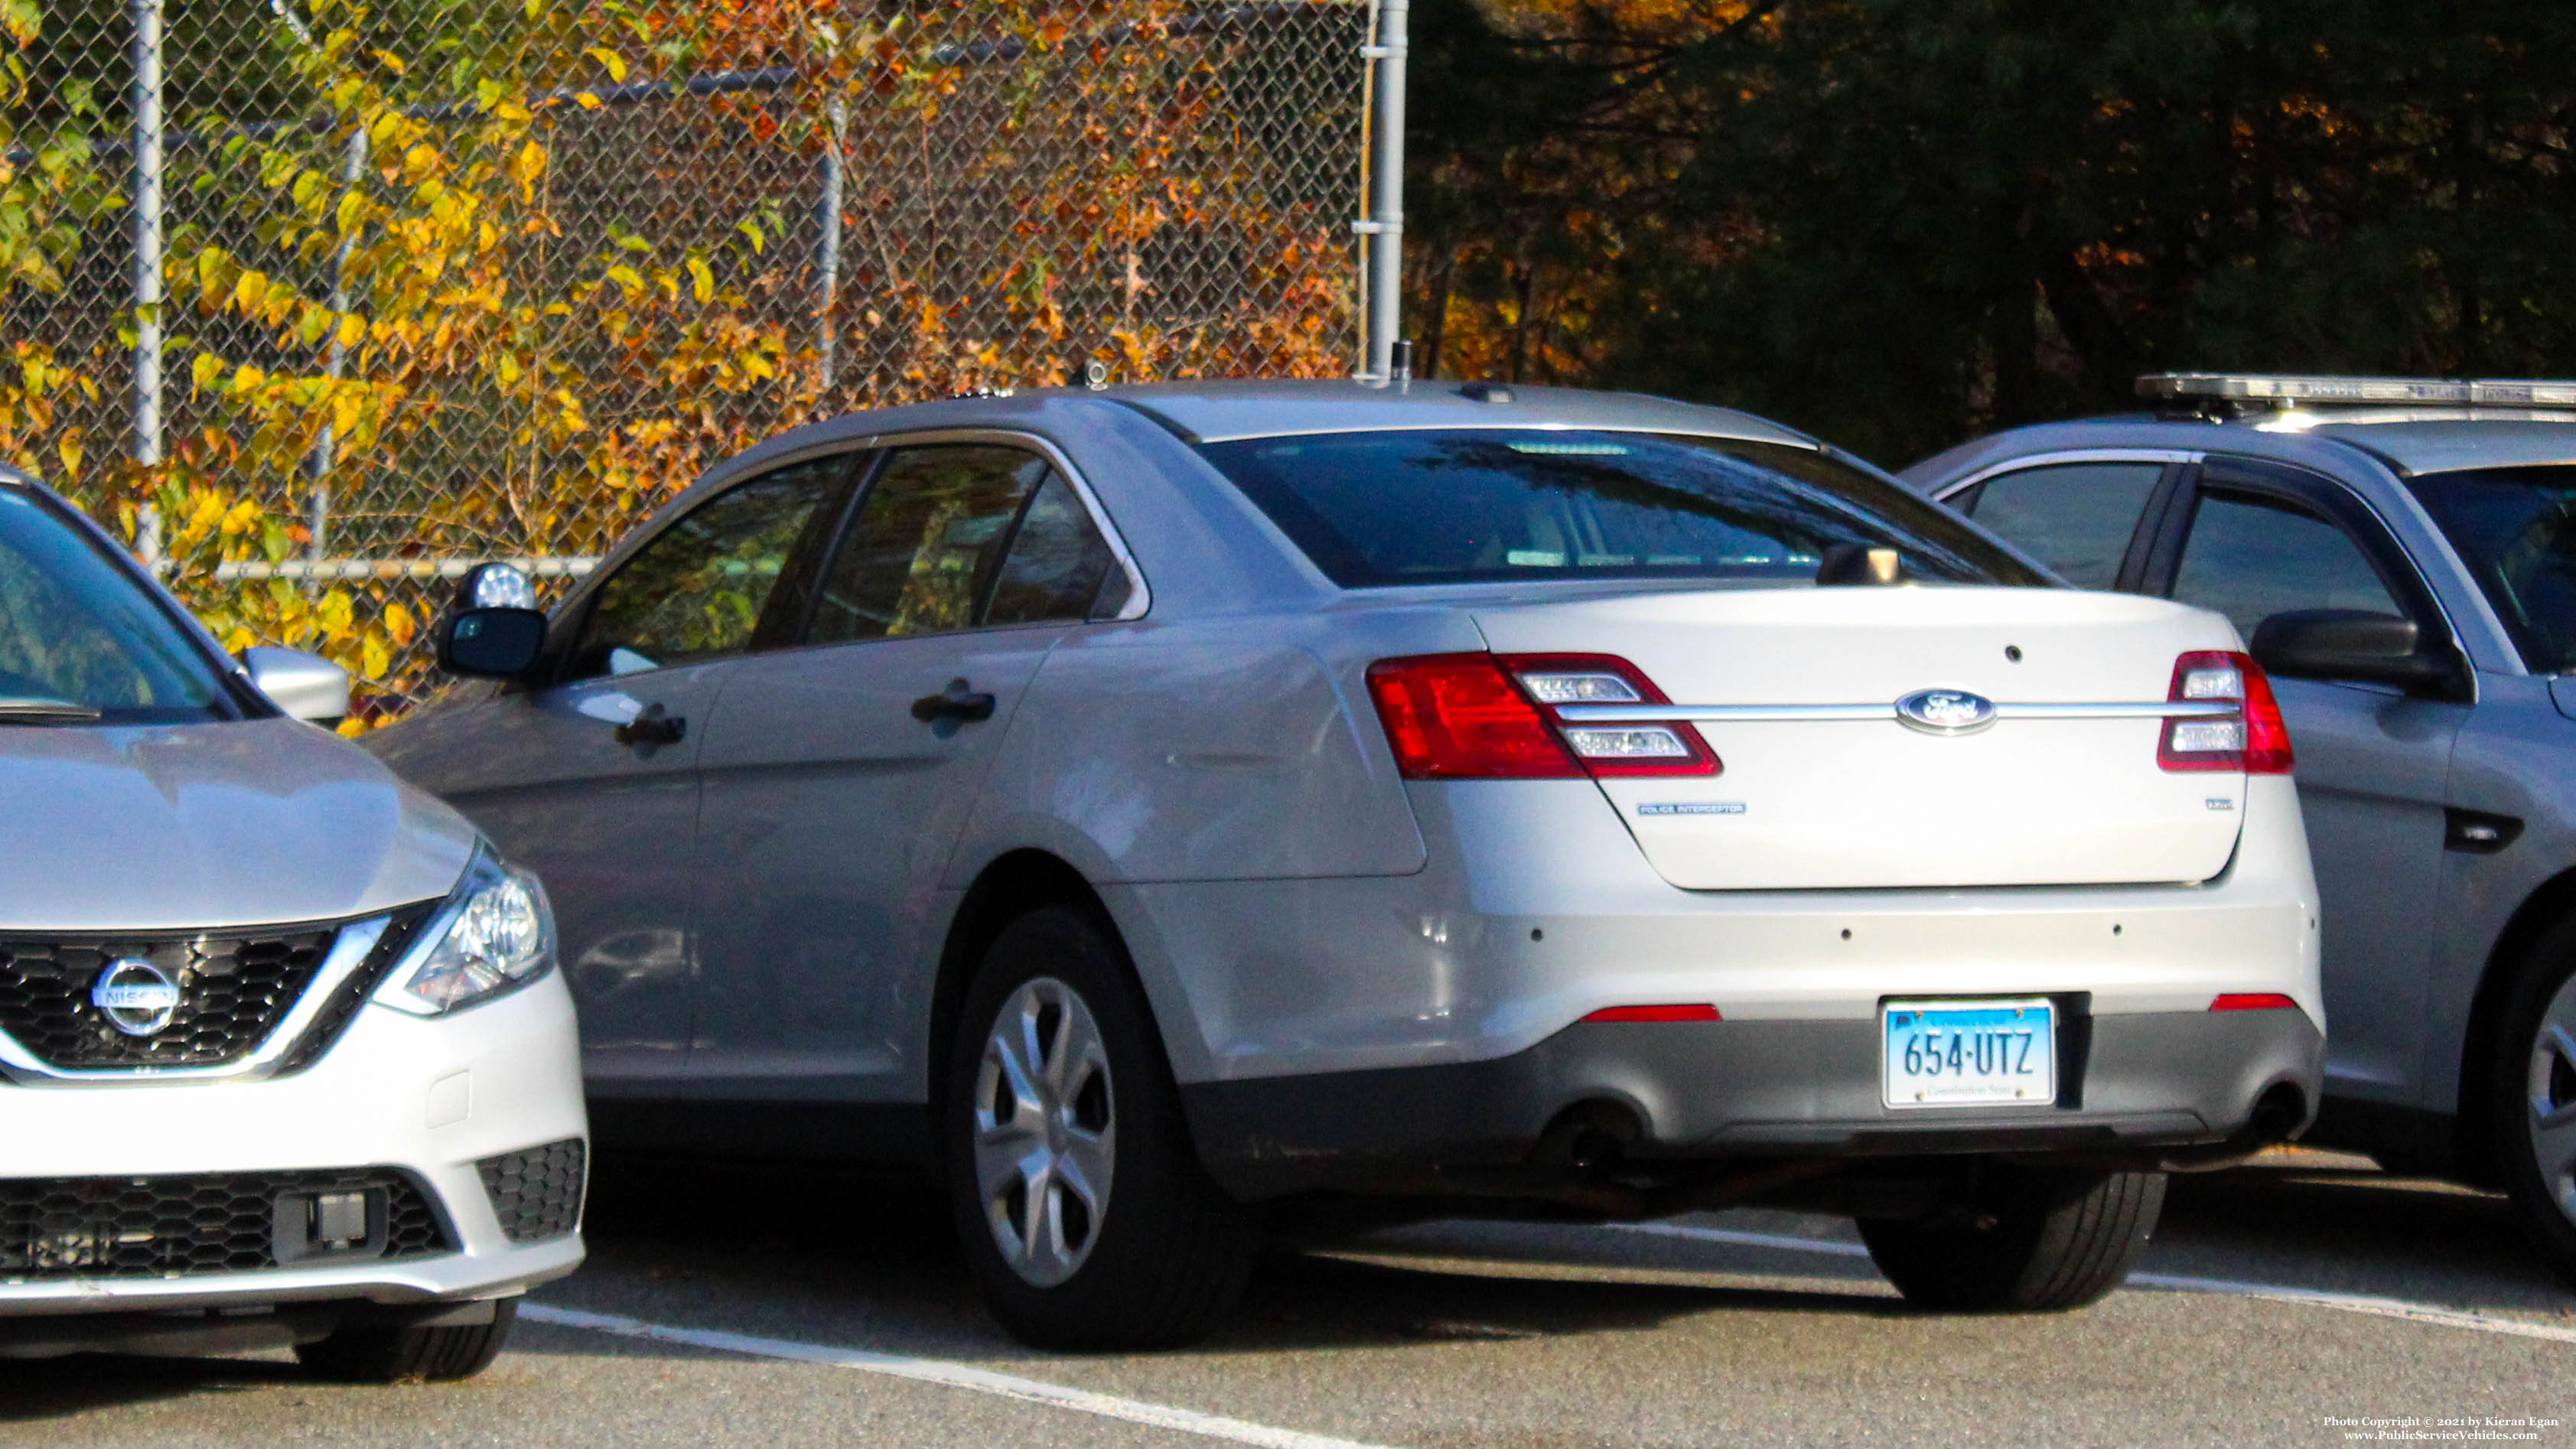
(1228, 410)
(2415, 443)
(2406, 442)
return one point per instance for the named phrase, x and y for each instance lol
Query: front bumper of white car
(451, 1151)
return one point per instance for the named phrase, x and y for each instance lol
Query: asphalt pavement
(2296, 1305)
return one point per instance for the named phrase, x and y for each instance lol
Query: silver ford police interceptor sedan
(283, 1056)
(1173, 808)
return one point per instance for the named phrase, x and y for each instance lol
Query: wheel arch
(2552, 902)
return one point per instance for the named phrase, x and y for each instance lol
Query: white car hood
(204, 826)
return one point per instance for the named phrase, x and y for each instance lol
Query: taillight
(2250, 738)
(1490, 717)
(1609, 746)
(1460, 717)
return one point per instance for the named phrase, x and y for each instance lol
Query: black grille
(536, 1193)
(232, 990)
(164, 1227)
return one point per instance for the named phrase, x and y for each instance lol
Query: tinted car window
(1378, 509)
(699, 590)
(2074, 517)
(2250, 558)
(929, 534)
(75, 630)
(1057, 562)
(2516, 530)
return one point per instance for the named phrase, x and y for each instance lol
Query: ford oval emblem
(1945, 711)
(137, 997)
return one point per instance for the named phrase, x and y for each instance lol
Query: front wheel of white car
(1078, 1197)
(2024, 1240)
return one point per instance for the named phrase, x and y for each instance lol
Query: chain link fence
(447, 280)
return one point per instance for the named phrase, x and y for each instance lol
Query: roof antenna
(1095, 375)
(1400, 361)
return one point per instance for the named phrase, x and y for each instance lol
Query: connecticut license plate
(1946, 1053)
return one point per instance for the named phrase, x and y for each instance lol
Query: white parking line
(940, 1371)
(2273, 1292)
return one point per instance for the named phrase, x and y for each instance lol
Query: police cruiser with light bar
(2402, 553)
(1178, 809)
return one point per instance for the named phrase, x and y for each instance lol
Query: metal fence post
(335, 362)
(1382, 234)
(827, 244)
(147, 260)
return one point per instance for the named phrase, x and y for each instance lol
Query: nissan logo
(137, 997)
(1945, 711)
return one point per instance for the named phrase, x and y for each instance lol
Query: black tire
(377, 1353)
(2534, 1087)
(2024, 1240)
(1168, 1252)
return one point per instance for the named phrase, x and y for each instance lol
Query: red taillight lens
(2267, 735)
(2252, 1001)
(1460, 717)
(1483, 717)
(1678, 1011)
(1610, 746)
(2253, 739)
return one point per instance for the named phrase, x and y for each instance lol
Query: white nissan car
(1173, 808)
(283, 1056)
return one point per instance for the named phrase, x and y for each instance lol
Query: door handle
(653, 727)
(958, 704)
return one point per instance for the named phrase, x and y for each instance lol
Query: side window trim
(2152, 518)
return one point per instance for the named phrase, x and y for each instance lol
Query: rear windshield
(2516, 530)
(1379, 509)
(80, 642)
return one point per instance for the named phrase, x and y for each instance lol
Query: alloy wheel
(1045, 1131)
(2551, 1101)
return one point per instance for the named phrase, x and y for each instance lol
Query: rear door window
(2077, 518)
(929, 538)
(2250, 556)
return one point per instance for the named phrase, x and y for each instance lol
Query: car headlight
(495, 934)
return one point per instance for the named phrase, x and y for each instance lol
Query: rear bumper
(1697, 1090)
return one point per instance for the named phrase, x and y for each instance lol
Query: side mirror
(494, 629)
(2350, 644)
(494, 643)
(305, 686)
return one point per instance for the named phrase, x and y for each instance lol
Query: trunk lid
(1815, 797)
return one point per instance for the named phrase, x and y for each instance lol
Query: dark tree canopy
(1899, 222)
